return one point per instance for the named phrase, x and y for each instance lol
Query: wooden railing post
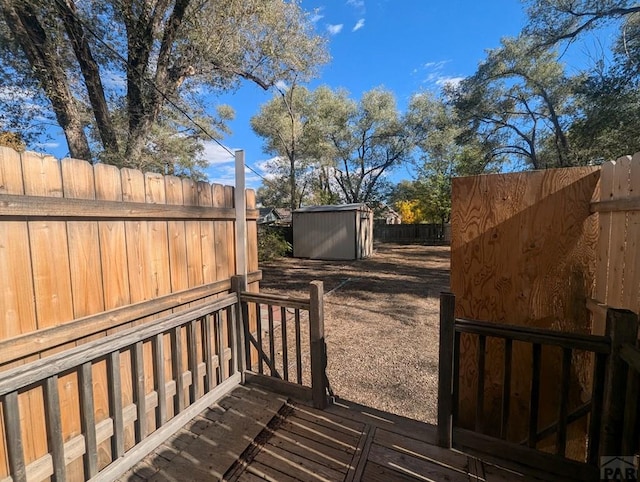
(446, 369)
(318, 346)
(622, 327)
(238, 285)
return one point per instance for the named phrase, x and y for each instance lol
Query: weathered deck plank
(253, 434)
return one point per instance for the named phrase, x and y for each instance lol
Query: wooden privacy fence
(90, 250)
(617, 274)
(412, 233)
(611, 410)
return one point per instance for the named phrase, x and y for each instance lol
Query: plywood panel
(522, 253)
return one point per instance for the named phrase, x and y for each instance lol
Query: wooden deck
(253, 434)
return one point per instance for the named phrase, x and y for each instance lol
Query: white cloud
(222, 168)
(359, 24)
(449, 81)
(357, 4)
(317, 15)
(214, 154)
(434, 73)
(439, 65)
(334, 29)
(47, 145)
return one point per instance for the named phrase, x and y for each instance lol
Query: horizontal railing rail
(193, 355)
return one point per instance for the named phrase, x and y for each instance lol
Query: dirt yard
(381, 323)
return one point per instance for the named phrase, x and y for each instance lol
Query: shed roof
(338, 207)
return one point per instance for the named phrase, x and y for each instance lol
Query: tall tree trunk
(91, 74)
(47, 66)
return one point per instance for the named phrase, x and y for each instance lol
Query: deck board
(253, 434)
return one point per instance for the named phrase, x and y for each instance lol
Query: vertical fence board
(207, 233)
(113, 247)
(52, 284)
(631, 288)
(231, 233)
(604, 237)
(141, 282)
(617, 243)
(86, 282)
(17, 299)
(86, 269)
(115, 283)
(177, 237)
(192, 233)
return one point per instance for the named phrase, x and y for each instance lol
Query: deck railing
(192, 365)
(284, 342)
(604, 410)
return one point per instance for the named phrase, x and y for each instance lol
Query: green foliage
(12, 140)
(437, 130)
(124, 71)
(517, 100)
(272, 244)
(330, 148)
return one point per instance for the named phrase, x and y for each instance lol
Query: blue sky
(407, 46)
(404, 45)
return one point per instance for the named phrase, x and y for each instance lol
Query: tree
(284, 123)
(608, 122)
(519, 101)
(165, 56)
(554, 21)
(366, 140)
(442, 156)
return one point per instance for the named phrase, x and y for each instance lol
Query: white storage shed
(333, 232)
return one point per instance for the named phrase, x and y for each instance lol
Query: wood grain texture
(618, 238)
(523, 253)
(78, 240)
(631, 291)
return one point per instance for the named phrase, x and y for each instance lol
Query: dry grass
(381, 323)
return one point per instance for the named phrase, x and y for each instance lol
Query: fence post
(238, 285)
(446, 369)
(318, 346)
(622, 327)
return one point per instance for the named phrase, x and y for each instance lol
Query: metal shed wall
(343, 233)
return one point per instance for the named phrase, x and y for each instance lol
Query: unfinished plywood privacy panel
(523, 251)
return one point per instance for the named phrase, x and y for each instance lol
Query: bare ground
(381, 323)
